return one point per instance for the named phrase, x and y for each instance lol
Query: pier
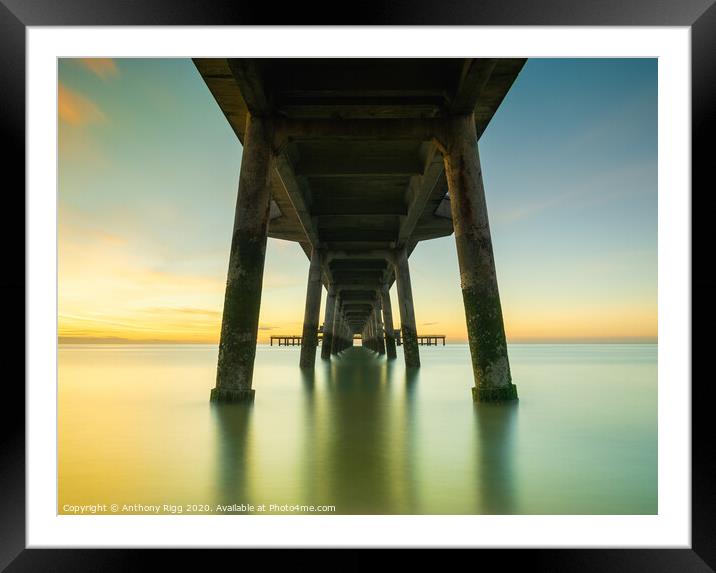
(288, 339)
(431, 339)
(358, 160)
(296, 339)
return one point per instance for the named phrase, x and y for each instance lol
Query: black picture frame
(16, 15)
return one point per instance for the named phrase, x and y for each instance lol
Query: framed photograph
(420, 280)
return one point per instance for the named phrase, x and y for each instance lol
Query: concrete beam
(383, 254)
(248, 78)
(419, 190)
(423, 129)
(475, 76)
(358, 166)
(284, 169)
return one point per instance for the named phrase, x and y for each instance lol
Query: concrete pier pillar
(328, 323)
(407, 311)
(335, 340)
(478, 279)
(388, 323)
(380, 339)
(311, 315)
(242, 299)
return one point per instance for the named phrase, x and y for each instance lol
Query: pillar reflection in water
(358, 432)
(233, 452)
(495, 428)
(359, 446)
(409, 426)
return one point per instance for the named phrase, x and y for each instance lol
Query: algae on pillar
(407, 311)
(309, 340)
(478, 278)
(388, 322)
(242, 299)
(328, 323)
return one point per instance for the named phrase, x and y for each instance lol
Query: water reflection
(358, 442)
(233, 452)
(495, 426)
(359, 447)
(361, 433)
(410, 432)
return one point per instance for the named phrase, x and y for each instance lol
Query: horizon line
(77, 340)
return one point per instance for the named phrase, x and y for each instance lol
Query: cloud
(618, 184)
(179, 311)
(104, 68)
(75, 109)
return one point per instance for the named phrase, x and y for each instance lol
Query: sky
(148, 176)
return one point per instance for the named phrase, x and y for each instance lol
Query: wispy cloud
(618, 184)
(76, 109)
(104, 68)
(183, 310)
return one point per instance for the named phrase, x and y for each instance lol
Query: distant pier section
(296, 339)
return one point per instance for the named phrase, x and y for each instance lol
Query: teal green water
(136, 428)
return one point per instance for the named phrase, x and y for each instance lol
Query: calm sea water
(136, 428)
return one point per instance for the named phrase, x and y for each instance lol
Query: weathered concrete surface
(380, 338)
(328, 323)
(388, 322)
(337, 328)
(368, 334)
(478, 279)
(314, 288)
(407, 310)
(242, 300)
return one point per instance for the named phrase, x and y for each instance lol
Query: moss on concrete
(494, 394)
(486, 336)
(410, 347)
(232, 395)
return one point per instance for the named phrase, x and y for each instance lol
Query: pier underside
(358, 160)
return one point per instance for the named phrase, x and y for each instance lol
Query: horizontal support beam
(347, 296)
(328, 165)
(384, 254)
(423, 129)
(358, 235)
(356, 207)
(353, 264)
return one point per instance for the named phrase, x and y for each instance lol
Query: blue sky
(148, 179)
